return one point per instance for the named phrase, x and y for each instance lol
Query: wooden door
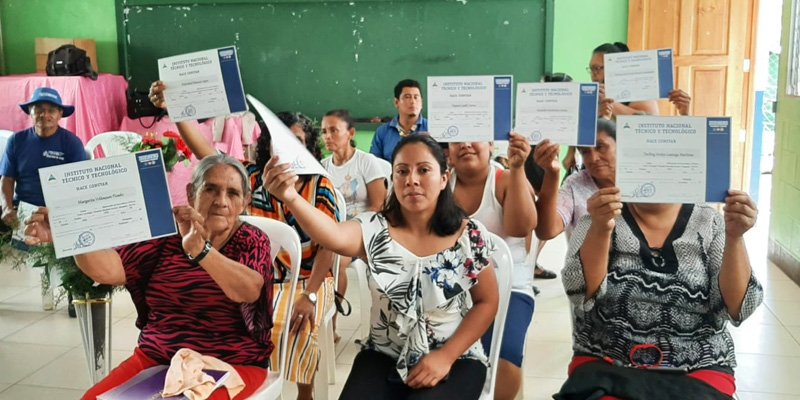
(710, 39)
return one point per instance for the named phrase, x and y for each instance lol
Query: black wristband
(196, 259)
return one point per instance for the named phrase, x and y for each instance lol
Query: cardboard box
(46, 45)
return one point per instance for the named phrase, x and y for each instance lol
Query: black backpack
(69, 60)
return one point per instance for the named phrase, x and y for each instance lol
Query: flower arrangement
(173, 148)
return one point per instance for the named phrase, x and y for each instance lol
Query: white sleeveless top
(490, 214)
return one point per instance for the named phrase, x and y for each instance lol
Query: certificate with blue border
(470, 108)
(638, 75)
(564, 112)
(203, 84)
(107, 202)
(673, 159)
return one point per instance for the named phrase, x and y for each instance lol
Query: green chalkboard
(312, 56)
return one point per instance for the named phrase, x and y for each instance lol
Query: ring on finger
(300, 316)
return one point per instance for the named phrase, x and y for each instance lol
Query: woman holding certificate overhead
(207, 289)
(652, 288)
(432, 293)
(315, 289)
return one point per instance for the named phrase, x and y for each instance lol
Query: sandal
(541, 273)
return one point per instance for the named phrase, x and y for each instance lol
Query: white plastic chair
(4, 136)
(386, 167)
(281, 236)
(503, 269)
(112, 143)
(327, 346)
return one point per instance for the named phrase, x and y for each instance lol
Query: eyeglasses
(594, 69)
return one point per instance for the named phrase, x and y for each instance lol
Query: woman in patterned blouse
(207, 289)
(433, 298)
(652, 288)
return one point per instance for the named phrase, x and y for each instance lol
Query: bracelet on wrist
(206, 249)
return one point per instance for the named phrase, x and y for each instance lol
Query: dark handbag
(339, 301)
(68, 60)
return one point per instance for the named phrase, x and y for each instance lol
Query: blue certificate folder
(229, 66)
(718, 158)
(149, 384)
(587, 114)
(503, 106)
(156, 193)
(665, 78)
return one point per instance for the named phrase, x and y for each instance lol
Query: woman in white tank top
(485, 192)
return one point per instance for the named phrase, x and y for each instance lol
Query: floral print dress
(419, 302)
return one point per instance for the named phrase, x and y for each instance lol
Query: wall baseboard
(784, 260)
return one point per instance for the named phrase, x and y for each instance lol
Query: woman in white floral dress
(432, 297)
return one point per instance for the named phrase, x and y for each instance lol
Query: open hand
(546, 156)
(157, 94)
(603, 207)
(431, 369)
(279, 180)
(740, 213)
(518, 150)
(37, 228)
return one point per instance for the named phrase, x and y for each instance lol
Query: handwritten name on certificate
(638, 75)
(107, 202)
(204, 84)
(673, 159)
(469, 108)
(285, 144)
(564, 112)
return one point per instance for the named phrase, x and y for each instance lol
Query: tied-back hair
(208, 163)
(448, 216)
(608, 126)
(610, 48)
(557, 77)
(344, 115)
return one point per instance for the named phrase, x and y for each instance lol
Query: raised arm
(188, 129)
(681, 100)
(103, 266)
(519, 209)
(603, 207)
(343, 238)
(735, 273)
(550, 223)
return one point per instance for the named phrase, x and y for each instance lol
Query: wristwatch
(312, 296)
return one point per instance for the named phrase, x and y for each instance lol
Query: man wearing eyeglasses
(45, 144)
(409, 120)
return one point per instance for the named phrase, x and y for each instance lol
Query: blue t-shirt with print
(26, 152)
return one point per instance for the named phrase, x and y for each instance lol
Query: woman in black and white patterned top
(652, 287)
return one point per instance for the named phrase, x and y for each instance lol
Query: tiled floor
(41, 355)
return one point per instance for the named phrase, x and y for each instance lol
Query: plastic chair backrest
(386, 167)
(112, 143)
(281, 237)
(4, 136)
(341, 204)
(503, 269)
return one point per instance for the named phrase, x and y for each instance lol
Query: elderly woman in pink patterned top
(203, 289)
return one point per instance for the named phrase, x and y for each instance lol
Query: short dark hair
(448, 216)
(556, 77)
(398, 89)
(608, 126)
(610, 48)
(345, 116)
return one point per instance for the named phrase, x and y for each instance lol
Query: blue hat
(47, 95)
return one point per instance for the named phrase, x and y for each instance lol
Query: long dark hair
(448, 216)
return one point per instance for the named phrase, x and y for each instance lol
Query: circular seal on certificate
(189, 111)
(625, 94)
(648, 190)
(85, 239)
(451, 131)
(536, 136)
